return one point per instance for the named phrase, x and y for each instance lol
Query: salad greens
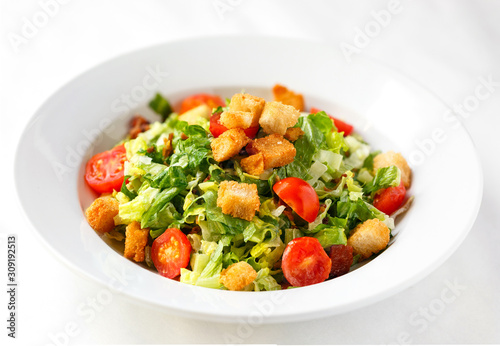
(172, 179)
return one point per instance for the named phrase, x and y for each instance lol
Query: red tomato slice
(170, 252)
(339, 124)
(216, 128)
(104, 171)
(300, 196)
(212, 101)
(389, 200)
(305, 262)
(251, 132)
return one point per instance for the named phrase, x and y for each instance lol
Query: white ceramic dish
(389, 110)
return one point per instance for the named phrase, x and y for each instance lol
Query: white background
(445, 45)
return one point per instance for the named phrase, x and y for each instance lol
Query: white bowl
(90, 114)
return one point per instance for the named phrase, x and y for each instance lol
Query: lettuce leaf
(368, 163)
(260, 229)
(292, 233)
(134, 210)
(359, 152)
(354, 211)
(330, 235)
(165, 217)
(161, 106)
(308, 144)
(384, 178)
(205, 273)
(265, 282)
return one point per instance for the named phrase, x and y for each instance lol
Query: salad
(246, 194)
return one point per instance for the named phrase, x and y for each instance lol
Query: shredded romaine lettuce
(384, 178)
(172, 180)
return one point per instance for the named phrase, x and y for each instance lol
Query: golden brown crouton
(391, 158)
(369, 237)
(237, 119)
(275, 149)
(288, 97)
(238, 199)
(136, 239)
(293, 133)
(253, 164)
(228, 144)
(277, 117)
(247, 103)
(237, 276)
(101, 212)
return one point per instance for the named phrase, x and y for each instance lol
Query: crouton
(277, 117)
(237, 119)
(101, 212)
(237, 276)
(288, 97)
(192, 116)
(228, 144)
(238, 199)
(136, 239)
(293, 133)
(391, 158)
(253, 164)
(247, 103)
(369, 238)
(275, 149)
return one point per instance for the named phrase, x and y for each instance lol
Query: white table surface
(445, 45)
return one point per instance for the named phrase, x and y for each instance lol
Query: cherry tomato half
(216, 128)
(339, 124)
(305, 262)
(170, 252)
(104, 171)
(389, 200)
(300, 196)
(212, 101)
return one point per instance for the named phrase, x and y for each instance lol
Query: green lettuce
(384, 178)
(206, 268)
(314, 127)
(265, 282)
(161, 106)
(136, 208)
(330, 235)
(359, 152)
(354, 210)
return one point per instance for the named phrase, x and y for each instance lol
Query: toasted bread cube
(288, 97)
(228, 144)
(136, 239)
(369, 238)
(237, 119)
(277, 117)
(101, 212)
(238, 199)
(391, 158)
(237, 276)
(247, 103)
(293, 133)
(275, 149)
(253, 164)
